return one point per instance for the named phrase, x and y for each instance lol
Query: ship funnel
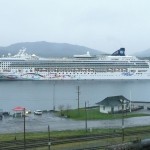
(120, 52)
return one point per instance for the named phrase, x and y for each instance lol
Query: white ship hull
(88, 76)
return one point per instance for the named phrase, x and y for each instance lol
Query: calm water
(46, 94)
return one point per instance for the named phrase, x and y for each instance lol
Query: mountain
(47, 49)
(145, 53)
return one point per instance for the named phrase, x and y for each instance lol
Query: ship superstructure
(23, 66)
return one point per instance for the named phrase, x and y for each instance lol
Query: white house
(114, 104)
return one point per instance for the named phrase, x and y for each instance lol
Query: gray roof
(113, 101)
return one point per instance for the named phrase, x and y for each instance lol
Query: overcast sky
(104, 25)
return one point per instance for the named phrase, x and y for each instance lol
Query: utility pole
(122, 120)
(130, 102)
(49, 142)
(54, 96)
(85, 118)
(24, 128)
(78, 88)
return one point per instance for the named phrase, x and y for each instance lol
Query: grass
(68, 133)
(77, 133)
(94, 114)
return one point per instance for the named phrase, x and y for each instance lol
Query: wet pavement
(40, 123)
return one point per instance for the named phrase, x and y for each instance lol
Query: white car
(38, 112)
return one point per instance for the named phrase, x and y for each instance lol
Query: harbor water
(45, 95)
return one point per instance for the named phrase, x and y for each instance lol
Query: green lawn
(68, 133)
(94, 114)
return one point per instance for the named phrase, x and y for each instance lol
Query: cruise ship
(23, 66)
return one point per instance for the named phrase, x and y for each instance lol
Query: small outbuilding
(114, 104)
(19, 111)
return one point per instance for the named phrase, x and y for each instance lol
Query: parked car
(38, 112)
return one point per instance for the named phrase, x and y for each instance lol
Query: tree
(61, 108)
(67, 109)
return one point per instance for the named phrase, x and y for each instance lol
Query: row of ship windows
(80, 73)
(92, 74)
(69, 72)
(65, 62)
(74, 70)
(76, 67)
(70, 65)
